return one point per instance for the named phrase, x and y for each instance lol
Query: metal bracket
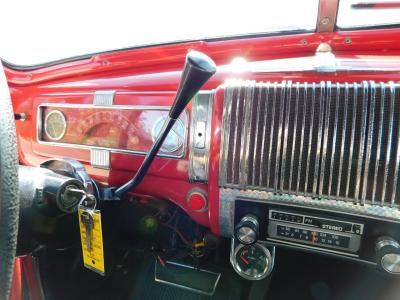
(200, 135)
(327, 13)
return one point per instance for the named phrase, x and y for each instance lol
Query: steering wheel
(9, 191)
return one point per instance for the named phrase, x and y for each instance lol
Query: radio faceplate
(314, 231)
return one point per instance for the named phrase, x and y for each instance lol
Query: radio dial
(247, 230)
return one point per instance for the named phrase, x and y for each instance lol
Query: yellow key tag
(93, 258)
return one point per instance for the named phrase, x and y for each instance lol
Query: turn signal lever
(197, 70)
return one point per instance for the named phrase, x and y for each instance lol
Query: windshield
(361, 13)
(34, 32)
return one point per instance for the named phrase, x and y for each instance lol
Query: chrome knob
(247, 230)
(388, 255)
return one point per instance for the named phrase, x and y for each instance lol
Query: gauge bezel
(154, 136)
(268, 267)
(64, 122)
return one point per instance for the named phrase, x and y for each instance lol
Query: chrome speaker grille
(338, 141)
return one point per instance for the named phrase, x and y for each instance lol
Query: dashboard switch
(197, 200)
(247, 230)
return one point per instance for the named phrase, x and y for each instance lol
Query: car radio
(284, 226)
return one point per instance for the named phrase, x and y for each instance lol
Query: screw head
(325, 21)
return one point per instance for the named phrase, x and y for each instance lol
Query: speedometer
(55, 125)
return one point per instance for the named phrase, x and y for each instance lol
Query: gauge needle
(244, 260)
(54, 130)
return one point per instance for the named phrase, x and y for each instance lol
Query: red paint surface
(149, 76)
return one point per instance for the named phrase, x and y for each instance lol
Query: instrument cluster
(130, 129)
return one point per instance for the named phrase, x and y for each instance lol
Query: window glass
(33, 32)
(356, 13)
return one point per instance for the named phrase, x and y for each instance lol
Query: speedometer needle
(244, 260)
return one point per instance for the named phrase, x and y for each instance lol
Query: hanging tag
(92, 250)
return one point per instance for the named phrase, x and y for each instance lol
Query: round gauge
(252, 262)
(55, 125)
(175, 138)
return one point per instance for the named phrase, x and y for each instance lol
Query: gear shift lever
(196, 72)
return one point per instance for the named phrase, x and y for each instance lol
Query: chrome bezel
(267, 270)
(39, 125)
(154, 134)
(202, 108)
(64, 123)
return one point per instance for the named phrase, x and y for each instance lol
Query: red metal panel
(149, 76)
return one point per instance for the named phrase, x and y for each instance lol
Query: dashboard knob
(247, 230)
(388, 255)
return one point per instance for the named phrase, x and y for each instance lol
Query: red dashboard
(144, 89)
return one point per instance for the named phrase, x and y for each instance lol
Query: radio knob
(388, 255)
(247, 230)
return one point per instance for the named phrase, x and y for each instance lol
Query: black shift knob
(197, 70)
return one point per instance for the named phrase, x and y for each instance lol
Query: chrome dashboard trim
(199, 148)
(100, 159)
(39, 123)
(336, 126)
(103, 98)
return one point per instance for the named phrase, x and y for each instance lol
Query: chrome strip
(239, 88)
(328, 99)
(225, 133)
(310, 135)
(287, 101)
(272, 129)
(328, 64)
(278, 152)
(369, 140)
(346, 103)
(244, 155)
(353, 123)
(385, 213)
(199, 154)
(39, 123)
(255, 154)
(389, 140)
(320, 124)
(296, 109)
(362, 139)
(302, 137)
(379, 147)
(103, 98)
(333, 152)
(396, 170)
